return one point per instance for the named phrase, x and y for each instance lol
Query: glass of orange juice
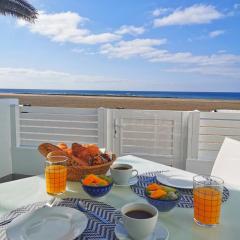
(207, 198)
(56, 174)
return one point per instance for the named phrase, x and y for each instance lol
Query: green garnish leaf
(108, 179)
(148, 192)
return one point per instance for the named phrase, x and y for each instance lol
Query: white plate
(131, 182)
(55, 223)
(160, 232)
(177, 181)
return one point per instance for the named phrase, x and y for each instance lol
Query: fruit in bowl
(97, 185)
(162, 197)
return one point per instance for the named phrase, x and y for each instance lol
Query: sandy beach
(123, 102)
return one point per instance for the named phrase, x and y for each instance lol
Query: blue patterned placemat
(186, 200)
(95, 230)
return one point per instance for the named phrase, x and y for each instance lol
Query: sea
(147, 94)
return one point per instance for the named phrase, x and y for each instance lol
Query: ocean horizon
(147, 94)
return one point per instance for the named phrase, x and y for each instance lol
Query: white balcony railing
(178, 138)
(48, 124)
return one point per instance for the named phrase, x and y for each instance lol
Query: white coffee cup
(139, 228)
(122, 173)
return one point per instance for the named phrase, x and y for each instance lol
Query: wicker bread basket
(75, 173)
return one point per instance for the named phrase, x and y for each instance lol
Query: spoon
(82, 208)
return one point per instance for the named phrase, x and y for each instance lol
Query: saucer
(131, 182)
(160, 233)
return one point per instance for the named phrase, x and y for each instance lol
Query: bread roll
(46, 148)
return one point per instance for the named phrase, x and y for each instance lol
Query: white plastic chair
(227, 164)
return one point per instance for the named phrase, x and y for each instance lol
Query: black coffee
(121, 168)
(139, 214)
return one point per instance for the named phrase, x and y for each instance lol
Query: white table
(179, 221)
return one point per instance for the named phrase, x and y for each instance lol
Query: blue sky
(124, 45)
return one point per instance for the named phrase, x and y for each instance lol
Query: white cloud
(79, 50)
(222, 51)
(147, 49)
(223, 71)
(216, 33)
(127, 49)
(236, 6)
(48, 79)
(83, 51)
(160, 11)
(183, 61)
(67, 27)
(196, 14)
(220, 64)
(130, 29)
(188, 58)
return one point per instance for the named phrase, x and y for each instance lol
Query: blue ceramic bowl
(97, 191)
(163, 205)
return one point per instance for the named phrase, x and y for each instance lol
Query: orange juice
(56, 177)
(207, 205)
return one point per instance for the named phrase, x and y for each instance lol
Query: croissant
(46, 148)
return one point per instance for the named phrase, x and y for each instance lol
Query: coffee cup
(139, 219)
(122, 173)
